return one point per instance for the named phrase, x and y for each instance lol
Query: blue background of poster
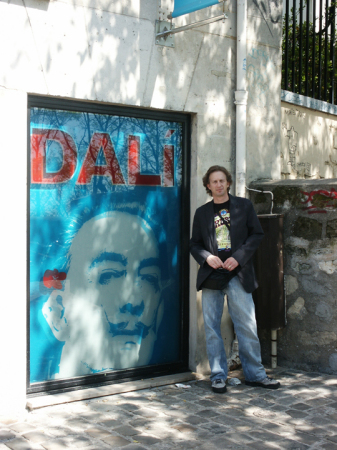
(55, 207)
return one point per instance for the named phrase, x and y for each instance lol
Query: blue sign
(182, 7)
(105, 198)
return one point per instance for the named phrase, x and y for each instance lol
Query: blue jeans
(242, 311)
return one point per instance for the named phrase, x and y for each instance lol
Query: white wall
(308, 143)
(13, 145)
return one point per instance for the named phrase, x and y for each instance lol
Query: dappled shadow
(299, 414)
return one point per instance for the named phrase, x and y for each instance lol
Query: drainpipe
(241, 96)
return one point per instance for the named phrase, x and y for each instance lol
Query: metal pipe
(265, 192)
(313, 51)
(286, 51)
(191, 25)
(320, 50)
(306, 92)
(300, 49)
(332, 53)
(293, 53)
(326, 57)
(241, 96)
(273, 349)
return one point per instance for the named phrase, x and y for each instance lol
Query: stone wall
(309, 340)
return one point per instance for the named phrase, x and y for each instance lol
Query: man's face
(113, 291)
(218, 184)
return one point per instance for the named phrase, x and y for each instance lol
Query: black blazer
(246, 235)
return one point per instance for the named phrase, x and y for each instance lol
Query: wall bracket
(162, 27)
(165, 30)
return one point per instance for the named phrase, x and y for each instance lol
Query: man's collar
(230, 197)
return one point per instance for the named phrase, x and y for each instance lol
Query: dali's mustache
(119, 329)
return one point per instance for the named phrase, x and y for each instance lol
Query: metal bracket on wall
(168, 39)
(165, 30)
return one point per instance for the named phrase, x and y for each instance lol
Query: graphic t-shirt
(219, 278)
(222, 229)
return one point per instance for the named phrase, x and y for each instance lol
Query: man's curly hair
(205, 179)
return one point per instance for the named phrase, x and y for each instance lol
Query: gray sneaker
(219, 386)
(267, 383)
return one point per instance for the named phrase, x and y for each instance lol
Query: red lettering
(110, 169)
(135, 176)
(168, 176)
(39, 140)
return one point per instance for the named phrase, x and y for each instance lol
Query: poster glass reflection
(105, 210)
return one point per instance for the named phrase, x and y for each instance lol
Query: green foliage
(319, 55)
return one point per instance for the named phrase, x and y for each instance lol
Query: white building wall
(13, 238)
(308, 143)
(104, 51)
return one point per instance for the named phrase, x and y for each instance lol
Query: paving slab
(36, 436)
(22, 427)
(55, 444)
(6, 435)
(22, 444)
(115, 441)
(134, 447)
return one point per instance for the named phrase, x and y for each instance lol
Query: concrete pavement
(302, 414)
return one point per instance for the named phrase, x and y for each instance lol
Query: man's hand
(230, 264)
(214, 261)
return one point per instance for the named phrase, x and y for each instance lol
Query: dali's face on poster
(109, 311)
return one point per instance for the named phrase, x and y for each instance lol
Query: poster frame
(117, 376)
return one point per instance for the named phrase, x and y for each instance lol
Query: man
(226, 233)
(109, 309)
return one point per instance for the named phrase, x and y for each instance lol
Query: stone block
(60, 431)
(297, 310)
(115, 441)
(138, 423)
(21, 444)
(317, 338)
(77, 441)
(22, 427)
(214, 428)
(36, 436)
(306, 228)
(6, 435)
(97, 433)
(332, 438)
(328, 446)
(207, 404)
(184, 428)
(324, 312)
(7, 420)
(328, 267)
(55, 444)
(300, 406)
(77, 424)
(126, 430)
(135, 447)
(291, 284)
(333, 362)
(146, 439)
(289, 444)
(145, 412)
(295, 414)
(207, 413)
(195, 420)
(128, 407)
(331, 229)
